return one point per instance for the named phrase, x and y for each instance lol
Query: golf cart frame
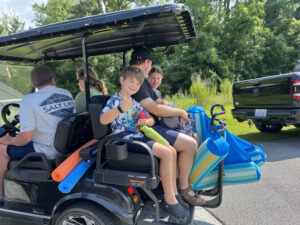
(122, 186)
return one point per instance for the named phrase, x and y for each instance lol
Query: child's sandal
(191, 199)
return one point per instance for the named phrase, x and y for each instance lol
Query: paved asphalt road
(275, 199)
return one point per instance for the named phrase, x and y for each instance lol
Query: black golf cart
(123, 187)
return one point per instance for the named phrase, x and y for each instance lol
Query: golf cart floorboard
(147, 216)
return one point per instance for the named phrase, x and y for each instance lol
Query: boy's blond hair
(133, 71)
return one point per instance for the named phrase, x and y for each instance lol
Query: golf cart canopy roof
(120, 31)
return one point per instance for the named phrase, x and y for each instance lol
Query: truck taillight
(296, 89)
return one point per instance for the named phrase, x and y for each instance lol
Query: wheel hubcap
(78, 220)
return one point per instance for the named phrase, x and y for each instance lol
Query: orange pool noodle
(70, 163)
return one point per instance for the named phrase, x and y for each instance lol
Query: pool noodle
(74, 176)
(69, 164)
(153, 135)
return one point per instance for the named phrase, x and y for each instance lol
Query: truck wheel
(268, 127)
(85, 214)
(297, 125)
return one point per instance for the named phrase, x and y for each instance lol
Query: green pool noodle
(153, 135)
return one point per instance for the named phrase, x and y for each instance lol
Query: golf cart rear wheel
(270, 128)
(85, 214)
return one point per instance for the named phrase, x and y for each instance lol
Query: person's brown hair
(41, 75)
(156, 69)
(133, 71)
(93, 80)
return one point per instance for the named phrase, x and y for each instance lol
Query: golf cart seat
(35, 166)
(115, 163)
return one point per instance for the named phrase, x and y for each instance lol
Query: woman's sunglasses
(77, 80)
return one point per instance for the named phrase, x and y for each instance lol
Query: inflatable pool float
(233, 174)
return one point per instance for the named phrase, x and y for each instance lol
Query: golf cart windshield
(14, 83)
(120, 31)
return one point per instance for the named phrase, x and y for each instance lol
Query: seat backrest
(72, 132)
(96, 105)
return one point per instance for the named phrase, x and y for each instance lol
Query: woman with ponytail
(97, 87)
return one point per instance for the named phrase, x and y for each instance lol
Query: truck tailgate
(266, 92)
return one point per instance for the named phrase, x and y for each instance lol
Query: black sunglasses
(77, 80)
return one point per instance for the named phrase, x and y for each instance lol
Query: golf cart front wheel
(85, 214)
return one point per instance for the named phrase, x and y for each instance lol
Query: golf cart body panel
(119, 31)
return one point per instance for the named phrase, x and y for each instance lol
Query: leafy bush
(204, 93)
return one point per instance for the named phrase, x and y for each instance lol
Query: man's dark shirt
(145, 91)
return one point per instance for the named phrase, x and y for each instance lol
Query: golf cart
(122, 187)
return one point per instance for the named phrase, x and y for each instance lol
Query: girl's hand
(141, 122)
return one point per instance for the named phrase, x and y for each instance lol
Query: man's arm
(162, 110)
(21, 139)
(161, 101)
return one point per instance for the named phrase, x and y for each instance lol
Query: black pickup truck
(270, 102)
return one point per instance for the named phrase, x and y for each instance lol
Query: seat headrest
(72, 132)
(96, 105)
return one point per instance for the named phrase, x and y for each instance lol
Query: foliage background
(237, 40)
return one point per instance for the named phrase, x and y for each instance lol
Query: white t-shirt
(41, 111)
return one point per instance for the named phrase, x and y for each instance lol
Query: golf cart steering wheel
(16, 119)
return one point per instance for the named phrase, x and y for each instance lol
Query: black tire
(269, 128)
(85, 213)
(297, 125)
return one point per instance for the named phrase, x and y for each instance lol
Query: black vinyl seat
(71, 133)
(121, 171)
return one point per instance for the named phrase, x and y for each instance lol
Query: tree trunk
(7, 70)
(119, 5)
(101, 6)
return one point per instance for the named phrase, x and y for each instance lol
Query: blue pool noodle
(74, 176)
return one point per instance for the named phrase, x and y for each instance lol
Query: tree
(284, 46)
(10, 23)
(52, 12)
